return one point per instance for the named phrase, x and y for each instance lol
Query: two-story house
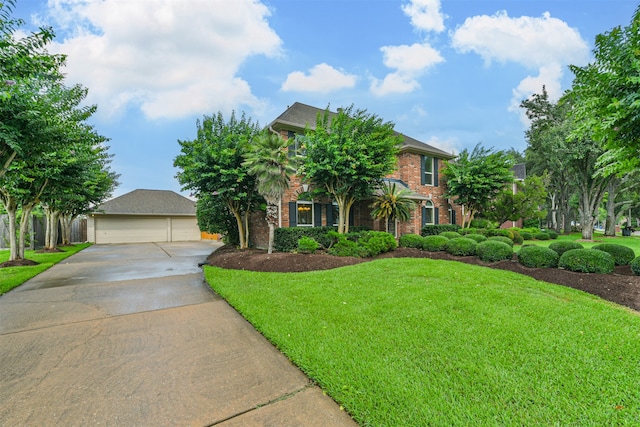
(418, 170)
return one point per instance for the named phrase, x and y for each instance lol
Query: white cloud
(544, 44)
(410, 63)
(321, 78)
(425, 15)
(170, 59)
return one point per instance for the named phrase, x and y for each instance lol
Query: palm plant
(267, 158)
(392, 204)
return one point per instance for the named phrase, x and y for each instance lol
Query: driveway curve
(131, 335)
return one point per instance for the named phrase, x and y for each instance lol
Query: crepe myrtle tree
(211, 167)
(347, 155)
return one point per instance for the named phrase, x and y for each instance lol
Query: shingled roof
(148, 202)
(299, 116)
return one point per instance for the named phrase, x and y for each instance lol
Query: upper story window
(429, 170)
(296, 144)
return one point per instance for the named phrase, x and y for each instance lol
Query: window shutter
(453, 216)
(435, 171)
(423, 181)
(291, 138)
(329, 209)
(436, 216)
(351, 216)
(424, 216)
(293, 214)
(317, 215)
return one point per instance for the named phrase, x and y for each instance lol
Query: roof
(148, 202)
(298, 117)
(519, 171)
(401, 185)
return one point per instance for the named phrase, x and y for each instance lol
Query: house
(144, 216)
(418, 170)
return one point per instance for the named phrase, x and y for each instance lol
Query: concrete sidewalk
(131, 335)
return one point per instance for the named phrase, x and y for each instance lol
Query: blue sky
(450, 73)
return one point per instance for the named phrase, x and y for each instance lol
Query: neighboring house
(519, 173)
(418, 170)
(144, 216)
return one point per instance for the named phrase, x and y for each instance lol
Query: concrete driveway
(131, 335)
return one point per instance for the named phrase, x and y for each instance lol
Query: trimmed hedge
(535, 256)
(411, 241)
(542, 236)
(635, 266)
(286, 238)
(477, 237)
(461, 246)
(552, 234)
(517, 237)
(450, 234)
(362, 244)
(564, 246)
(434, 230)
(494, 250)
(622, 255)
(526, 235)
(377, 242)
(587, 261)
(435, 243)
(502, 239)
(499, 232)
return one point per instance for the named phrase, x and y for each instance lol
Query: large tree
(267, 158)
(211, 166)
(475, 178)
(525, 202)
(347, 155)
(606, 98)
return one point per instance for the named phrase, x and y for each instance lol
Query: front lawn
(423, 342)
(10, 277)
(631, 241)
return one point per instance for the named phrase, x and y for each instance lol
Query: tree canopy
(347, 155)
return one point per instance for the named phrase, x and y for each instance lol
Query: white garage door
(184, 229)
(130, 230)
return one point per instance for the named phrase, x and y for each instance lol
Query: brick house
(418, 170)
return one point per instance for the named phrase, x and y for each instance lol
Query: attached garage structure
(144, 216)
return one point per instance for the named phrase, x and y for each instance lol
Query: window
(429, 170)
(296, 144)
(428, 213)
(335, 214)
(452, 215)
(304, 214)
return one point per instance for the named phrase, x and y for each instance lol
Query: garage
(144, 216)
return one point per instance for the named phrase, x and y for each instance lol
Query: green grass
(427, 342)
(11, 277)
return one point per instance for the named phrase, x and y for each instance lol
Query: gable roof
(148, 202)
(298, 117)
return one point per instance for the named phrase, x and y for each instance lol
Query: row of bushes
(571, 256)
(361, 244)
(515, 234)
(286, 239)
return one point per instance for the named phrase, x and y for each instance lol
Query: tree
(211, 166)
(347, 155)
(392, 204)
(524, 203)
(475, 178)
(606, 98)
(267, 158)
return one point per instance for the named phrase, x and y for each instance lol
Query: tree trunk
(65, 222)
(272, 220)
(24, 228)
(610, 223)
(589, 201)
(51, 239)
(11, 207)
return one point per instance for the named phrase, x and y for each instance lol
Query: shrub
(307, 245)
(526, 235)
(411, 241)
(542, 236)
(635, 266)
(477, 237)
(286, 238)
(552, 234)
(517, 237)
(502, 239)
(587, 261)
(461, 246)
(494, 250)
(535, 256)
(377, 242)
(499, 232)
(434, 230)
(481, 223)
(345, 247)
(450, 234)
(564, 246)
(622, 255)
(435, 243)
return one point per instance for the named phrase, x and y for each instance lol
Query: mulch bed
(621, 287)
